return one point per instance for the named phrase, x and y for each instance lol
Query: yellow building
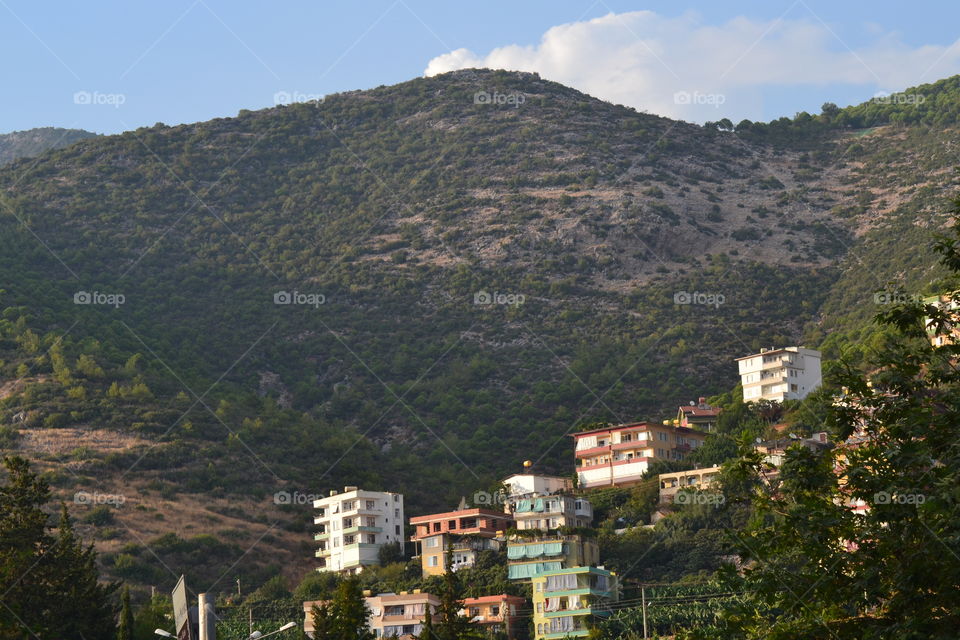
(567, 602)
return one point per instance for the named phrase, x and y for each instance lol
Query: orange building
(496, 614)
(466, 531)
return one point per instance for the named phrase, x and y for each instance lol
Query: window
(397, 529)
(539, 608)
(494, 610)
(396, 498)
(433, 542)
(432, 561)
(371, 504)
(371, 538)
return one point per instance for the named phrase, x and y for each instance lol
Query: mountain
(420, 286)
(33, 142)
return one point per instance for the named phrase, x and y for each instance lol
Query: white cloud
(682, 68)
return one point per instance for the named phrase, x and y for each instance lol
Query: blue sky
(134, 64)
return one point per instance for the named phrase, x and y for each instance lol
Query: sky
(109, 66)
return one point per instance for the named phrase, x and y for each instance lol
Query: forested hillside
(470, 282)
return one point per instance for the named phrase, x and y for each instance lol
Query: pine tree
(450, 624)
(321, 621)
(125, 628)
(50, 582)
(349, 616)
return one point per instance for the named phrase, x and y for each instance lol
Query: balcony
(322, 553)
(362, 529)
(321, 536)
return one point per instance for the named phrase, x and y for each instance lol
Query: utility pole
(203, 617)
(643, 602)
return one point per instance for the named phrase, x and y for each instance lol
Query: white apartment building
(780, 374)
(353, 525)
(529, 484)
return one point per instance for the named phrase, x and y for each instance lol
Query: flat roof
(476, 511)
(491, 599)
(618, 427)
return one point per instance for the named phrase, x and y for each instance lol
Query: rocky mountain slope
(423, 276)
(33, 142)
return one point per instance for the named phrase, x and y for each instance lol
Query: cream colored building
(791, 373)
(353, 525)
(391, 615)
(699, 479)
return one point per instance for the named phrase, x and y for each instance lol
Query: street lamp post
(165, 634)
(256, 635)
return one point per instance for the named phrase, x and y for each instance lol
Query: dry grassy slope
(142, 512)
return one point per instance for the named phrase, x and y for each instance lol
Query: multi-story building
(791, 373)
(619, 456)
(949, 334)
(526, 557)
(671, 483)
(567, 602)
(390, 615)
(522, 485)
(551, 512)
(698, 415)
(353, 525)
(466, 532)
(497, 615)
(775, 450)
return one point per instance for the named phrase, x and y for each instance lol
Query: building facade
(529, 556)
(352, 526)
(465, 532)
(619, 456)
(947, 335)
(497, 614)
(521, 485)
(698, 415)
(568, 601)
(390, 615)
(791, 373)
(699, 479)
(547, 513)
